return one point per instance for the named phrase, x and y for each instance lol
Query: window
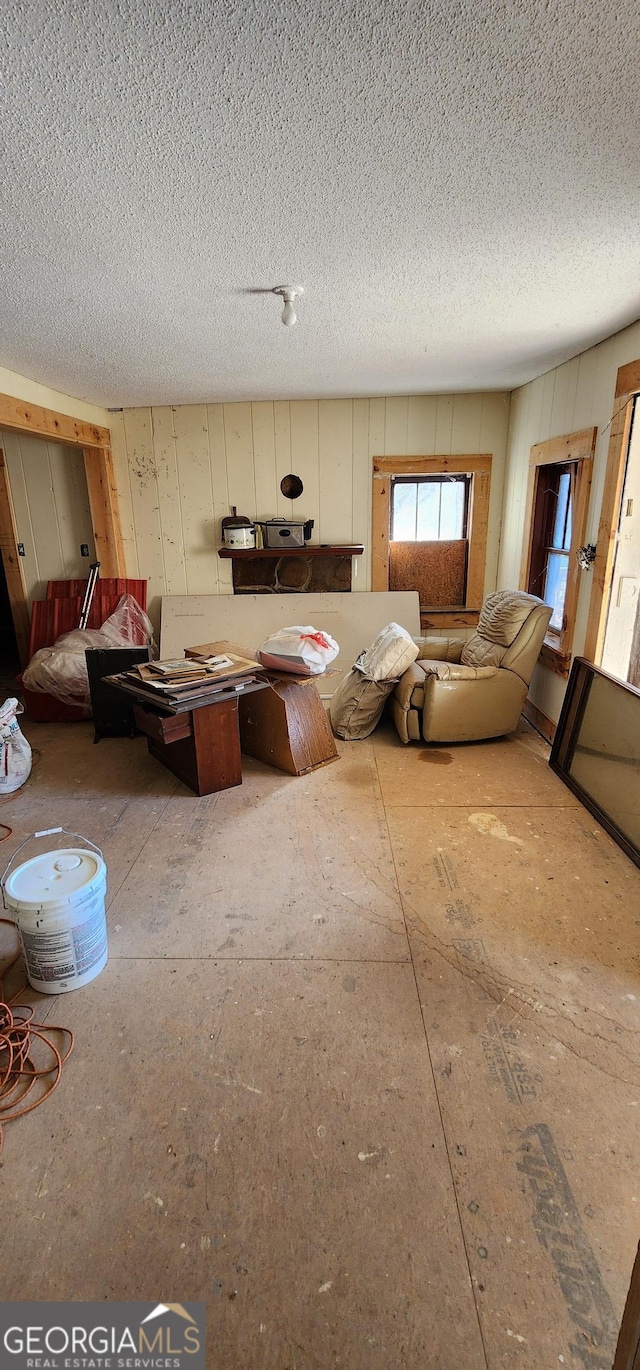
(552, 540)
(557, 500)
(429, 533)
(429, 508)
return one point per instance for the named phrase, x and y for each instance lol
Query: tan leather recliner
(461, 691)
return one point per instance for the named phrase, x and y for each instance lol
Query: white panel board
(353, 620)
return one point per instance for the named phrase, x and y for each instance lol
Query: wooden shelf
(309, 550)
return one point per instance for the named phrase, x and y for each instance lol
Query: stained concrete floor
(363, 1070)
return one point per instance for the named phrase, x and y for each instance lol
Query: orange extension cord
(18, 1071)
(18, 1035)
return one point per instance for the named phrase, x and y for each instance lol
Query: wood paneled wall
(180, 469)
(51, 506)
(577, 395)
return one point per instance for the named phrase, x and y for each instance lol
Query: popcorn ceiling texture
(455, 185)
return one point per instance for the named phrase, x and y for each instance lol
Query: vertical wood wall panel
(489, 432)
(264, 455)
(361, 488)
(63, 475)
(77, 515)
(396, 425)
(335, 446)
(444, 424)
(305, 461)
(548, 387)
(282, 508)
(238, 432)
(421, 425)
(602, 399)
(37, 475)
(376, 429)
(145, 503)
(588, 366)
(169, 501)
(122, 475)
(466, 421)
(196, 498)
(222, 571)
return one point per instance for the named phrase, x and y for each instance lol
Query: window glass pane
(452, 511)
(429, 511)
(404, 512)
(555, 587)
(567, 536)
(559, 536)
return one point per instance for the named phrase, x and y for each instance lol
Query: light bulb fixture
(289, 293)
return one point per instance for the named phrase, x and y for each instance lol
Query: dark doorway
(9, 654)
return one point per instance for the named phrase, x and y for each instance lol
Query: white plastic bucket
(58, 902)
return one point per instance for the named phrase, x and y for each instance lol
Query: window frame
(478, 467)
(573, 450)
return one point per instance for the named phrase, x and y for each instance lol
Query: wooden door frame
(95, 445)
(627, 388)
(478, 466)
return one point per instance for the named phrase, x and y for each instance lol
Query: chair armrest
(406, 685)
(447, 670)
(439, 648)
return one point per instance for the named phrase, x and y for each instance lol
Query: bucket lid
(53, 877)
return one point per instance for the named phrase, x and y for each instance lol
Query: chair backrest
(510, 633)
(525, 648)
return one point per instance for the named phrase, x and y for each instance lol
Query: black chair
(112, 711)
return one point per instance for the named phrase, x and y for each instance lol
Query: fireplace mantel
(292, 570)
(309, 550)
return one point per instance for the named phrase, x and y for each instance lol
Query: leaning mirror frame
(574, 733)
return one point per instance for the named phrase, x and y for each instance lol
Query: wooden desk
(200, 742)
(201, 746)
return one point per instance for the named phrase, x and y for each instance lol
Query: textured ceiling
(454, 184)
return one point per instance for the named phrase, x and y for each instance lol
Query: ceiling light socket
(289, 293)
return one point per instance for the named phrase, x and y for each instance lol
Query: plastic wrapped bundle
(61, 670)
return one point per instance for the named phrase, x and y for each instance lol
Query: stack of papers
(178, 684)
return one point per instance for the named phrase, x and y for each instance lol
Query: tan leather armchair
(462, 691)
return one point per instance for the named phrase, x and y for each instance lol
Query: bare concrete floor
(363, 1070)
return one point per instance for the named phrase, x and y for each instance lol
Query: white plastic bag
(61, 670)
(15, 752)
(303, 651)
